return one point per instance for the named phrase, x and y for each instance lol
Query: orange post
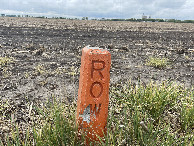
(93, 94)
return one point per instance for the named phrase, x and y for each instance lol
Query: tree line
(151, 20)
(104, 19)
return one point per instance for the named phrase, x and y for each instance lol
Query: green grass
(60, 127)
(157, 62)
(138, 115)
(142, 112)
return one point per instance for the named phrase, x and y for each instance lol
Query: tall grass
(138, 115)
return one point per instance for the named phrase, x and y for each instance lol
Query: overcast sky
(177, 9)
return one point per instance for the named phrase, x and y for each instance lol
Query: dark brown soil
(46, 56)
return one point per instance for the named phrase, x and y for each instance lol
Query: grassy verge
(138, 115)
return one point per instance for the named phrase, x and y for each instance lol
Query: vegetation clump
(4, 68)
(5, 61)
(157, 62)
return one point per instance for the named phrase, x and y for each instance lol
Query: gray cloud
(178, 9)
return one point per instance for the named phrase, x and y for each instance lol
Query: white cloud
(178, 9)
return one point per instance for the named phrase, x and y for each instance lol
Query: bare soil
(46, 56)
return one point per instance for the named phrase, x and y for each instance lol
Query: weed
(26, 74)
(5, 61)
(40, 70)
(4, 70)
(157, 62)
(60, 70)
(73, 71)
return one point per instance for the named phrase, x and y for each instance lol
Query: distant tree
(178, 21)
(153, 20)
(85, 18)
(160, 20)
(171, 20)
(188, 21)
(131, 19)
(138, 20)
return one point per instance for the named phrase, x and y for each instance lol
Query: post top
(91, 47)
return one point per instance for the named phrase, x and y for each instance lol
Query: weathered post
(93, 94)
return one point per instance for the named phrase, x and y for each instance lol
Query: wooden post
(93, 94)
